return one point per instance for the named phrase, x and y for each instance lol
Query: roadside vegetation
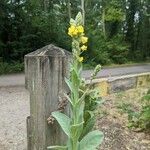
(14, 67)
(124, 119)
(138, 118)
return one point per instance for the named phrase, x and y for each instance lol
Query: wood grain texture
(28, 133)
(45, 70)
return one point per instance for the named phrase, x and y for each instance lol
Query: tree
(115, 28)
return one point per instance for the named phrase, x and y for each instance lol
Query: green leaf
(57, 147)
(76, 130)
(78, 19)
(88, 126)
(83, 96)
(80, 111)
(69, 144)
(91, 140)
(69, 83)
(146, 97)
(72, 22)
(75, 77)
(63, 120)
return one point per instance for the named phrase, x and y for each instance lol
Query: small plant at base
(80, 136)
(144, 119)
(133, 115)
(139, 119)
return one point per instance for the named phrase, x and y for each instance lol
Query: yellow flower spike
(80, 29)
(80, 59)
(75, 32)
(84, 39)
(84, 48)
(71, 28)
(72, 31)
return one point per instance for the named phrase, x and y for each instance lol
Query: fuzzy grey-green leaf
(79, 19)
(76, 130)
(72, 22)
(88, 126)
(63, 120)
(69, 84)
(91, 140)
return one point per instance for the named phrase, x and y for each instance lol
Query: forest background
(118, 30)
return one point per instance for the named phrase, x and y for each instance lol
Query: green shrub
(118, 50)
(6, 68)
(132, 114)
(144, 119)
(138, 119)
(107, 51)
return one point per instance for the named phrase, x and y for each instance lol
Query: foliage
(144, 119)
(78, 127)
(109, 51)
(114, 12)
(11, 68)
(118, 50)
(118, 30)
(92, 101)
(138, 119)
(132, 114)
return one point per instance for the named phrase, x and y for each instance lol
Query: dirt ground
(114, 123)
(14, 108)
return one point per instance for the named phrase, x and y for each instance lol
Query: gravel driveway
(14, 108)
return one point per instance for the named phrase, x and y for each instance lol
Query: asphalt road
(19, 79)
(119, 71)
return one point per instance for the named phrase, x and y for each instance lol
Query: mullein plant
(82, 98)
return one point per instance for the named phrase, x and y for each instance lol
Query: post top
(49, 50)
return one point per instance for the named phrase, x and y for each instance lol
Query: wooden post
(45, 70)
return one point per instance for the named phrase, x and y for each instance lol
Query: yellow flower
(72, 31)
(84, 48)
(75, 32)
(80, 29)
(84, 39)
(80, 59)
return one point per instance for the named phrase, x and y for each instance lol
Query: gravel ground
(14, 108)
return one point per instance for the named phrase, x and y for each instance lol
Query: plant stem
(83, 11)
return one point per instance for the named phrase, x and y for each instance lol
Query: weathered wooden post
(45, 70)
